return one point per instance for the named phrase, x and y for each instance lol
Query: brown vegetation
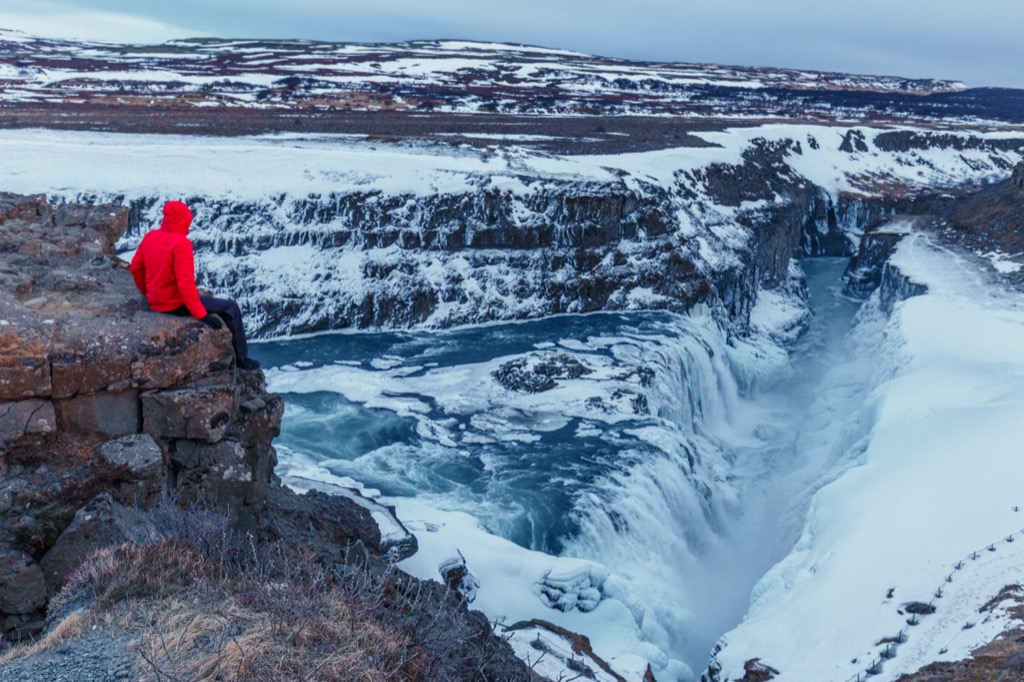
(208, 604)
(1001, 660)
(193, 620)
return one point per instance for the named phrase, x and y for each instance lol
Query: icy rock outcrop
(457, 576)
(865, 270)
(575, 586)
(536, 372)
(896, 286)
(397, 261)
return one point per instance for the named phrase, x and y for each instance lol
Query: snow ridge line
(892, 643)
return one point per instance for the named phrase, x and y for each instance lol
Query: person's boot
(248, 364)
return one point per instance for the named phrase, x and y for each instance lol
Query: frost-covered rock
(455, 574)
(400, 237)
(575, 585)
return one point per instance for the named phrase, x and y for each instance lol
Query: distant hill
(270, 80)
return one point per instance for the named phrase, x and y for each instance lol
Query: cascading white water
(651, 462)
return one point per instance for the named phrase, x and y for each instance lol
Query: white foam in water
(689, 505)
(644, 519)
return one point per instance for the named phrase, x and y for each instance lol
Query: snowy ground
(173, 166)
(926, 509)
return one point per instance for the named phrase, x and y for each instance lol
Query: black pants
(229, 312)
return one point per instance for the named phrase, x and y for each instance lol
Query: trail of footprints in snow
(892, 642)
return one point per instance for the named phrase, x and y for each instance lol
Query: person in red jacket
(164, 271)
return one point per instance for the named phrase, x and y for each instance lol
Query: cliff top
(70, 312)
(137, 477)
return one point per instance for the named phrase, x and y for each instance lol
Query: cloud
(54, 20)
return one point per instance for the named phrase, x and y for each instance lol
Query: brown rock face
(106, 408)
(993, 219)
(196, 413)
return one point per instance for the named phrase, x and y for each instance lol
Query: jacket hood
(177, 217)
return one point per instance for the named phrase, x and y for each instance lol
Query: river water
(678, 458)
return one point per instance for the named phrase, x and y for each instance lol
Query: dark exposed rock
(756, 671)
(864, 273)
(195, 413)
(100, 523)
(853, 141)
(24, 419)
(139, 453)
(144, 479)
(910, 140)
(897, 286)
(111, 413)
(538, 373)
(22, 585)
(1017, 179)
(219, 472)
(24, 376)
(455, 574)
(329, 523)
(919, 608)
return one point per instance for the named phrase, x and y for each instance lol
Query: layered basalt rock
(107, 408)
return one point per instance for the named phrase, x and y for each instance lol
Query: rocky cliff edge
(108, 409)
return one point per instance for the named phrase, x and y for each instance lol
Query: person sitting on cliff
(164, 271)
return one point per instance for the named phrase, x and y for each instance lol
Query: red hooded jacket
(164, 265)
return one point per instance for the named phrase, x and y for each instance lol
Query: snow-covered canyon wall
(909, 542)
(320, 233)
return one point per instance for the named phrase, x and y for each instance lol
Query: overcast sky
(980, 42)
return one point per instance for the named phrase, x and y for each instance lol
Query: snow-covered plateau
(607, 391)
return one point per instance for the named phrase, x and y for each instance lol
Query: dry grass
(73, 626)
(192, 621)
(229, 639)
(207, 604)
